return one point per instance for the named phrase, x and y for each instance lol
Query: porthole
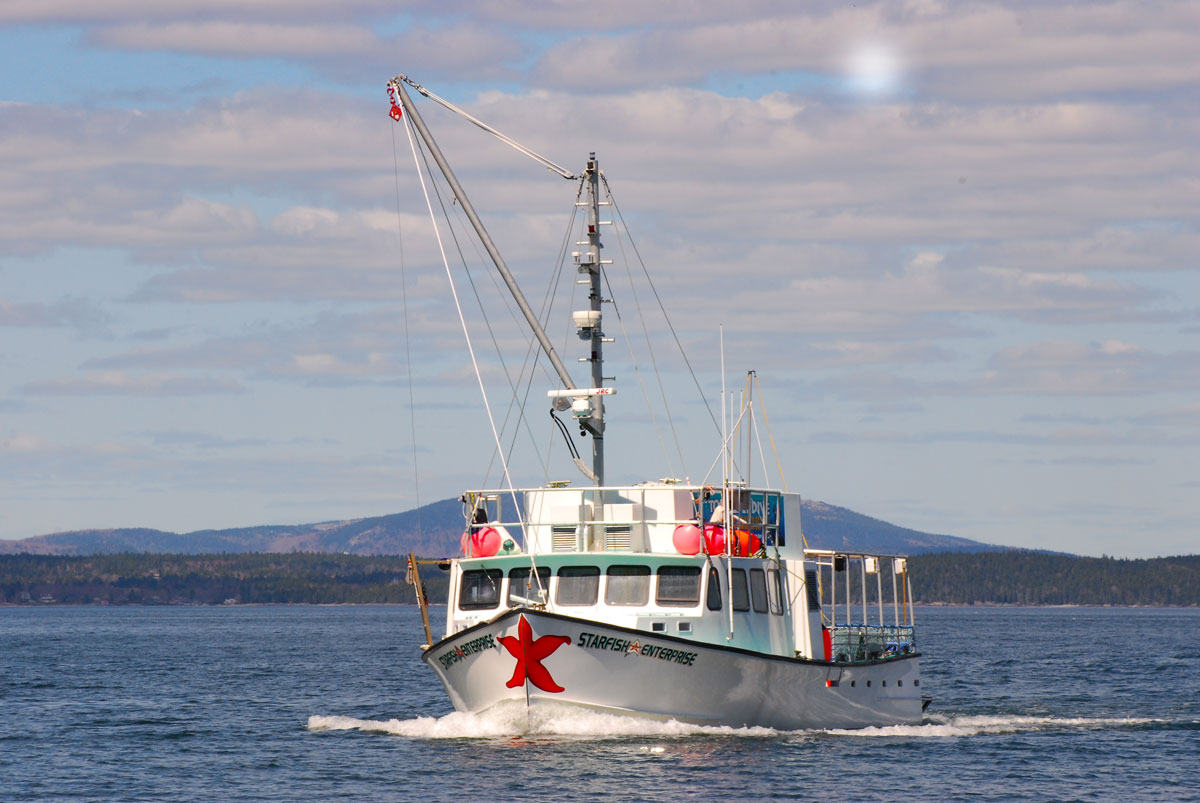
(658, 627)
(916, 683)
(868, 684)
(899, 682)
(884, 682)
(852, 684)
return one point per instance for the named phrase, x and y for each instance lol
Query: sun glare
(872, 69)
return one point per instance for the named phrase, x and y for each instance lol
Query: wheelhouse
(615, 555)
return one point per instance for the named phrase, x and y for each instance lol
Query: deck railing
(871, 642)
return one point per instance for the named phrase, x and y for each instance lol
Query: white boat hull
(537, 657)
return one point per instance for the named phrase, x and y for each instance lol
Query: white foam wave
(574, 723)
(516, 720)
(951, 727)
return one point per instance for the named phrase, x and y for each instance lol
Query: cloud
(975, 52)
(927, 286)
(119, 383)
(362, 346)
(25, 443)
(343, 50)
(200, 440)
(844, 353)
(1059, 439)
(1170, 246)
(82, 11)
(72, 312)
(798, 189)
(1185, 416)
(256, 40)
(1104, 368)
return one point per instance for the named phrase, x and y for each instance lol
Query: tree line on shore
(1012, 577)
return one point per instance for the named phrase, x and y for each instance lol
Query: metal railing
(853, 643)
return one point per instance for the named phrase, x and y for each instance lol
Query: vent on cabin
(617, 537)
(562, 538)
(814, 598)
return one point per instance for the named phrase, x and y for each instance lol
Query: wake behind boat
(663, 599)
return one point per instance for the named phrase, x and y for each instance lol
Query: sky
(957, 242)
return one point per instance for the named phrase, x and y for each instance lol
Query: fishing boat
(663, 599)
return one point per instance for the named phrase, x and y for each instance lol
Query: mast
(589, 264)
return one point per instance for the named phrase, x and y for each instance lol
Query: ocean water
(315, 703)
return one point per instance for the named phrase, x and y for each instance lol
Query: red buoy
(714, 539)
(687, 539)
(483, 543)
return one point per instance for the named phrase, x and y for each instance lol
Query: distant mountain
(434, 530)
(832, 527)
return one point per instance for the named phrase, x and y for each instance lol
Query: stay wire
(467, 336)
(653, 289)
(637, 371)
(532, 350)
(649, 346)
(412, 407)
(501, 294)
(562, 171)
(478, 300)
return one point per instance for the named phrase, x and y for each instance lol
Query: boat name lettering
(461, 651)
(617, 644)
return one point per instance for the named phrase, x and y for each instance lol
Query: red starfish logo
(529, 655)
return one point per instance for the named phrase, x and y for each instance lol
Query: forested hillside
(1038, 578)
(210, 579)
(1021, 578)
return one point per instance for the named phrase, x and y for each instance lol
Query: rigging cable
(733, 466)
(637, 371)
(649, 350)
(771, 438)
(479, 301)
(566, 435)
(412, 408)
(532, 350)
(562, 171)
(466, 334)
(653, 289)
(570, 305)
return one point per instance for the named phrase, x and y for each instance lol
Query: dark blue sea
(316, 703)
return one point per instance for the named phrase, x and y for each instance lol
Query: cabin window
(578, 585)
(714, 589)
(775, 592)
(741, 596)
(522, 592)
(479, 589)
(678, 586)
(758, 590)
(627, 585)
